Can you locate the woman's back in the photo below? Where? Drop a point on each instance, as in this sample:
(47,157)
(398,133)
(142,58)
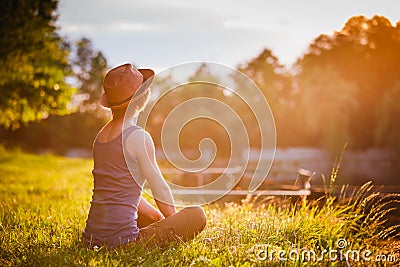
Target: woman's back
(113,213)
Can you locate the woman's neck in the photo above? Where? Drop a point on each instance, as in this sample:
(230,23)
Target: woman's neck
(118,113)
(118,117)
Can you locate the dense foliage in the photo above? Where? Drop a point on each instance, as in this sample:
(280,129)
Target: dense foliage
(343,89)
(364,57)
(34,63)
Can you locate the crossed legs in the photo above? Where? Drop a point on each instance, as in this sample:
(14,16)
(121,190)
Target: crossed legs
(182,226)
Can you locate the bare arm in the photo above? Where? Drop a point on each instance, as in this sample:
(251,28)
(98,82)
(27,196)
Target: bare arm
(147,214)
(141,145)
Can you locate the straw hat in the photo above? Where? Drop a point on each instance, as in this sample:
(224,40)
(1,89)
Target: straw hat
(123,84)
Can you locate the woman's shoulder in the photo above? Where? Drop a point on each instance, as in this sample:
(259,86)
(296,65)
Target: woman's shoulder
(138,141)
(136,134)
(132,128)
(135,130)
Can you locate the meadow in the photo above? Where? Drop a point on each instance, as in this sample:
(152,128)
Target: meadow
(44,202)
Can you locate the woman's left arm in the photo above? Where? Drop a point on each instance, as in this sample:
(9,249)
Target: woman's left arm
(147,214)
(140,144)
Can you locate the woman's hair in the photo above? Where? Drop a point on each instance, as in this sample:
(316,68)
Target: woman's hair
(138,106)
(134,108)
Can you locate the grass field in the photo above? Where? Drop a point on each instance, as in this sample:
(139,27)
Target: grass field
(44,202)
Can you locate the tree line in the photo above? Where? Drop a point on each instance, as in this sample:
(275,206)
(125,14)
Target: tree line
(343,89)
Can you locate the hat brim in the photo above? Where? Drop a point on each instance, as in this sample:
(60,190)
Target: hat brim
(148,76)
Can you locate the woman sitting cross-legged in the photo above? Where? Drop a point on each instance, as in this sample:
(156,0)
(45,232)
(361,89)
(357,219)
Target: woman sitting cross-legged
(124,158)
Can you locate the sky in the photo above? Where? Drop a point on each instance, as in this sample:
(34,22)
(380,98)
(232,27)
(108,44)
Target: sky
(159,34)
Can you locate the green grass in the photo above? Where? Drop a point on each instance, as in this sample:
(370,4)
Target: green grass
(44,202)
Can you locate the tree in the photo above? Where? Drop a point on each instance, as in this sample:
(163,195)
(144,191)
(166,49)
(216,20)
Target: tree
(58,133)
(89,67)
(34,63)
(366,53)
(270,76)
(275,83)
(326,104)
(387,132)
(177,95)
